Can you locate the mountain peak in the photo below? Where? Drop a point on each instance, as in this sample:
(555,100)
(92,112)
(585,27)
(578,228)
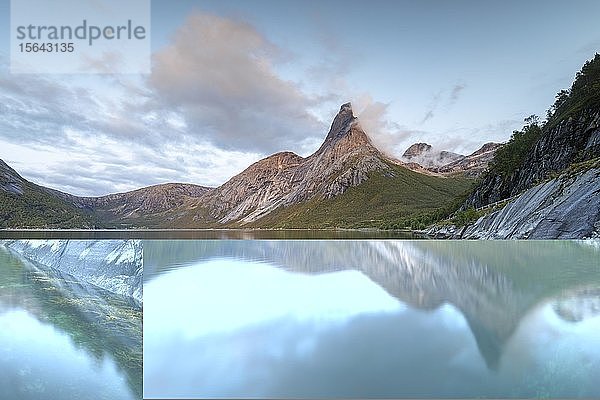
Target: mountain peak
(416,149)
(428,157)
(347,108)
(342,123)
(346,131)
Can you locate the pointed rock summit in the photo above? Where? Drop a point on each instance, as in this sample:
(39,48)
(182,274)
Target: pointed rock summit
(342,123)
(346,131)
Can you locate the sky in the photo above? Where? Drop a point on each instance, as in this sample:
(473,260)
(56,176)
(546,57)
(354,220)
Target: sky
(234,81)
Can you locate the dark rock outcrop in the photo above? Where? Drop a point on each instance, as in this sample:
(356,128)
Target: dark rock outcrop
(10,181)
(570,135)
(567,207)
(552,186)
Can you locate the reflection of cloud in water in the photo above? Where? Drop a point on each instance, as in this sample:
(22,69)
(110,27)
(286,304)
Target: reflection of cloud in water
(553,357)
(492,283)
(270,332)
(464,303)
(233,294)
(37,360)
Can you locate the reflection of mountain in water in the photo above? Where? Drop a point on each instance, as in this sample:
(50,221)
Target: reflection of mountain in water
(494,284)
(96,320)
(113,265)
(578,305)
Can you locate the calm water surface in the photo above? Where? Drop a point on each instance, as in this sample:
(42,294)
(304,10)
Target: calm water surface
(60,339)
(371,319)
(222,234)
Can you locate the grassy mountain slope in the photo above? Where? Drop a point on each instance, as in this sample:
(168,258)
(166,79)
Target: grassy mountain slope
(38,209)
(396,198)
(26,205)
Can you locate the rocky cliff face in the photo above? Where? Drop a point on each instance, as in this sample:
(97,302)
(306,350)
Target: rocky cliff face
(571,135)
(416,150)
(552,185)
(344,160)
(567,207)
(283,182)
(10,181)
(572,140)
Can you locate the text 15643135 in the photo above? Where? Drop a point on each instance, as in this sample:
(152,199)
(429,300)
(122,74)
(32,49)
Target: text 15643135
(46,47)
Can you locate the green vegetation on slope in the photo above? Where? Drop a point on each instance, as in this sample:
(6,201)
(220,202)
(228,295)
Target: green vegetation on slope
(584,93)
(510,156)
(36,208)
(392,199)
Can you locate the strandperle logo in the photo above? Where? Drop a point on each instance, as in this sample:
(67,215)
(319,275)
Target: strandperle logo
(80,36)
(85,31)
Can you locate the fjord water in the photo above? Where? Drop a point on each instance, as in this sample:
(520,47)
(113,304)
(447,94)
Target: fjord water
(371,319)
(61,339)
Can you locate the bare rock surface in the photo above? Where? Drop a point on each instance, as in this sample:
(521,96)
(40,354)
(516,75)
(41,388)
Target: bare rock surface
(567,207)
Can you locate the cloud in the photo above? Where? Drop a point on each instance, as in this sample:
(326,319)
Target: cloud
(336,57)
(433,105)
(221,74)
(428,115)
(205,114)
(103,134)
(102,165)
(388,136)
(106,63)
(455,93)
(213,104)
(443,96)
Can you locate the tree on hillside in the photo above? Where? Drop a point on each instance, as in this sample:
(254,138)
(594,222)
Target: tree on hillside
(508,158)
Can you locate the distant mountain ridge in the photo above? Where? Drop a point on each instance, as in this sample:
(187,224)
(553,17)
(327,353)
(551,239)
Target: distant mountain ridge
(283,189)
(424,155)
(446,162)
(136,203)
(285,181)
(25,204)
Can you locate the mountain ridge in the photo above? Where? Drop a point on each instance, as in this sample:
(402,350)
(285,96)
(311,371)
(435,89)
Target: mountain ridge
(424,156)
(284,182)
(343,160)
